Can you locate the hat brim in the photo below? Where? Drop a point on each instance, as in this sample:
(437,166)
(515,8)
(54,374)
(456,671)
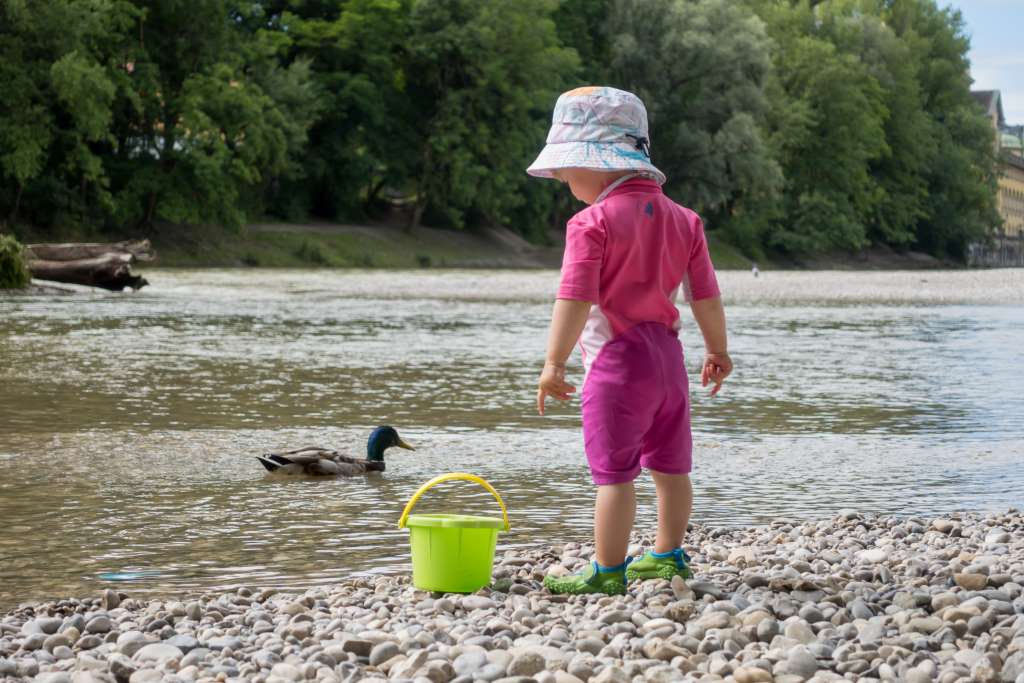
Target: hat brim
(598,156)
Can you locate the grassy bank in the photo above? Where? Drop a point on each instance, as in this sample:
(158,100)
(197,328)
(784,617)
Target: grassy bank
(333,245)
(323,245)
(346,246)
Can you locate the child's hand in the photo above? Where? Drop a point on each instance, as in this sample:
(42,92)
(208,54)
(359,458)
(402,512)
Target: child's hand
(717,367)
(552,383)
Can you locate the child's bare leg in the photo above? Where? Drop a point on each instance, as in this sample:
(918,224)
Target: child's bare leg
(613,521)
(675,501)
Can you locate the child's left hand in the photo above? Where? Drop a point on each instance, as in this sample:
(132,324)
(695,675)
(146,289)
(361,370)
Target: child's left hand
(717,366)
(552,383)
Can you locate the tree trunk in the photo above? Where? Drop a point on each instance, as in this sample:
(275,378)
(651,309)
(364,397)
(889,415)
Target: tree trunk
(109,271)
(97,265)
(17,204)
(139,250)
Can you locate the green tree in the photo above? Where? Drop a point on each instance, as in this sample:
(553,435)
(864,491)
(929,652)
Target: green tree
(701,69)
(827,129)
(57,91)
(483,77)
(961,174)
(365,127)
(197,132)
(13,273)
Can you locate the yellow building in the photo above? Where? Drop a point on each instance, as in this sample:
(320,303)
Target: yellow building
(1009,142)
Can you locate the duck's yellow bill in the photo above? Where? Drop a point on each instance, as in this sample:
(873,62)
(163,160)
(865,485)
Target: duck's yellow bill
(403,444)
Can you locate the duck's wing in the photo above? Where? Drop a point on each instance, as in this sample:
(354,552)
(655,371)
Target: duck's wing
(339,458)
(294,462)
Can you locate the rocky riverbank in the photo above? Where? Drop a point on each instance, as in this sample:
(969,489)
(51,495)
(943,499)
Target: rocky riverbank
(854,598)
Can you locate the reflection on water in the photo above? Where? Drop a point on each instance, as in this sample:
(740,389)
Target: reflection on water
(128,423)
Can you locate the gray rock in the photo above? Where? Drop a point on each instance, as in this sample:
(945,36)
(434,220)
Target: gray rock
(614,616)
(155,652)
(49,625)
(110,599)
(702,588)
(195,656)
(978,625)
(590,645)
(194,611)
(225,642)
(491,672)
(926,625)
(767,629)
(1013,667)
(382,652)
(89,642)
(611,674)
(62,652)
(915,675)
(287,672)
(871,633)
(475,602)
(98,624)
(526,664)
(357,646)
(122,667)
(873,555)
(146,676)
(130,642)
(34,642)
(55,677)
(800,662)
(56,640)
(183,642)
(800,632)
(860,610)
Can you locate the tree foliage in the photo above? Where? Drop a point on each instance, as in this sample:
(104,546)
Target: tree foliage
(13,272)
(791,126)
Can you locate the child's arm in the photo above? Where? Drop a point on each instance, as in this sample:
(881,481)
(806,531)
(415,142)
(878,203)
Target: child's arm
(567,321)
(710,316)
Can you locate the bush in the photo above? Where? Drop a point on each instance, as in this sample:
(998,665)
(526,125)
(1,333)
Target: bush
(13,272)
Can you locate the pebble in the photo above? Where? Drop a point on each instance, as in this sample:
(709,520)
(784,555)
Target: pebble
(971,582)
(155,652)
(100,624)
(382,652)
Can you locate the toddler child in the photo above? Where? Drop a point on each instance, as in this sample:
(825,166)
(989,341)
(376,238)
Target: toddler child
(626,257)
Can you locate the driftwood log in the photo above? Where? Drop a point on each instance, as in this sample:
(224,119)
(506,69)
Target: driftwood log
(97,265)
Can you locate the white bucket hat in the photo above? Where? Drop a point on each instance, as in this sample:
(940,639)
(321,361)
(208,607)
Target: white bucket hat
(600,128)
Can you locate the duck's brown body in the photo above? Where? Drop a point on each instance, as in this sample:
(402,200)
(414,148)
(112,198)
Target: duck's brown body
(318,462)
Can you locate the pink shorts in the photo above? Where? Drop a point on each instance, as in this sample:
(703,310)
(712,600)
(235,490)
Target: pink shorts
(636,406)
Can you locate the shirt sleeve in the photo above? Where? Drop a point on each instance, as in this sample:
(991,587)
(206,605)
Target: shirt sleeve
(700,281)
(581,265)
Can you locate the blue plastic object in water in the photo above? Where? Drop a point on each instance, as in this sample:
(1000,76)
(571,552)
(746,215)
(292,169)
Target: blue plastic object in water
(129,576)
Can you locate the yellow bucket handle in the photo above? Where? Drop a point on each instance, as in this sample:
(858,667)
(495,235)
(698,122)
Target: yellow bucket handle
(451,476)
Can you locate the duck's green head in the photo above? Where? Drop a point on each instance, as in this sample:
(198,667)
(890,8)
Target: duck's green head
(381,439)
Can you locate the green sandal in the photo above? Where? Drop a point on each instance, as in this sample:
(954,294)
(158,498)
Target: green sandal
(660,566)
(591,579)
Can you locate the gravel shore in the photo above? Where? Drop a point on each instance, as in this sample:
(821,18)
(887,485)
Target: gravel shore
(851,598)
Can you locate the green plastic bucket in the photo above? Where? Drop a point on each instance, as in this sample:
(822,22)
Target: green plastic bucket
(452,553)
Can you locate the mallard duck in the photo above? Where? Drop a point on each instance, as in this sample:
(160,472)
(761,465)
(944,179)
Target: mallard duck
(322,462)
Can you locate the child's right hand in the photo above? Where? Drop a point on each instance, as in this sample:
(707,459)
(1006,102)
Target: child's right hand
(717,366)
(552,383)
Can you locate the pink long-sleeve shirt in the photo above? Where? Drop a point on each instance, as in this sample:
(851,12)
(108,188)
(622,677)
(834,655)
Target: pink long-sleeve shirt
(628,254)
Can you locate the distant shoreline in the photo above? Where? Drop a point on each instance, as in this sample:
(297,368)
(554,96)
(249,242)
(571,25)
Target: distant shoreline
(333,245)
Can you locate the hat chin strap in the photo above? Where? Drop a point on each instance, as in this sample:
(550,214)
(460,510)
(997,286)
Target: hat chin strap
(618,181)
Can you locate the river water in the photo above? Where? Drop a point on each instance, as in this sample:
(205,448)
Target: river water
(129,422)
